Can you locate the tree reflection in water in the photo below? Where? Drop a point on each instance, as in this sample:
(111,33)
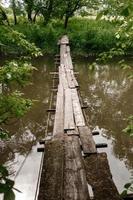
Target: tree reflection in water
(108,93)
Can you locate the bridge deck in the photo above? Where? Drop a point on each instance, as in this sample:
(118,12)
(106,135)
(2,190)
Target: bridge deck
(71,161)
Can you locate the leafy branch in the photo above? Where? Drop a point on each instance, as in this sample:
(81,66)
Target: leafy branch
(16,72)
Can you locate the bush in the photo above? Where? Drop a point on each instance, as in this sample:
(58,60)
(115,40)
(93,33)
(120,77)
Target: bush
(86,35)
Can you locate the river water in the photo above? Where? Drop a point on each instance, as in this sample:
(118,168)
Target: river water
(108,93)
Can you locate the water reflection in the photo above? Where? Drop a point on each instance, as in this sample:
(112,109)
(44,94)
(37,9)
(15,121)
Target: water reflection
(28,130)
(108,93)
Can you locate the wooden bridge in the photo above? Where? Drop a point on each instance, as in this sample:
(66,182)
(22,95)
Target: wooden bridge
(72,167)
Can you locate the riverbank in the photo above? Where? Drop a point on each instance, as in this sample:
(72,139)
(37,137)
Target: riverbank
(87,36)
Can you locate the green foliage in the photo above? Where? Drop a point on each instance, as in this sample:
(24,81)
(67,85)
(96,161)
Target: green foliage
(3,134)
(44,37)
(3,16)
(86,35)
(128,187)
(15,42)
(6,184)
(19,39)
(129,129)
(13,105)
(16,71)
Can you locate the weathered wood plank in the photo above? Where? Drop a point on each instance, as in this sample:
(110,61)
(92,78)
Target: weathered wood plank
(69,58)
(73,132)
(75,184)
(54,73)
(74,79)
(62,77)
(78,115)
(100,177)
(51,184)
(59,115)
(87,141)
(68,115)
(62,54)
(64,40)
(71,83)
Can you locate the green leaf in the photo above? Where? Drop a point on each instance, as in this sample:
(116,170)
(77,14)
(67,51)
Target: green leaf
(4,188)
(127,185)
(3,134)
(9,195)
(99,16)
(10,183)
(124,194)
(125,12)
(3,171)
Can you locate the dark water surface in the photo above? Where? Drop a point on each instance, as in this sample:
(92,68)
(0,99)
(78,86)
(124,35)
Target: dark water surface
(109,95)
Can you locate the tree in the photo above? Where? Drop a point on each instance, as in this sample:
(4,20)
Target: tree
(47,9)
(29,8)
(3,16)
(13,6)
(69,7)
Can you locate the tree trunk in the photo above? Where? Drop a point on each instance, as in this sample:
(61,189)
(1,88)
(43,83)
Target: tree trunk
(29,15)
(15,17)
(66,21)
(34,18)
(4,15)
(14,11)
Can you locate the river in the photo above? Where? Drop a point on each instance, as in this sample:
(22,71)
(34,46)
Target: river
(106,91)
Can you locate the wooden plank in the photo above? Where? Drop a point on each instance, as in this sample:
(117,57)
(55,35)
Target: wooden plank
(66,64)
(74,79)
(71,66)
(62,77)
(87,141)
(59,115)
(62,53)
(75,184)
(64,40)
(69,58)
(51,184)
(69,76)
(54,73)
(100,177)
(71,83)
(68,49)
(72,132)
(78,115)
(68,115)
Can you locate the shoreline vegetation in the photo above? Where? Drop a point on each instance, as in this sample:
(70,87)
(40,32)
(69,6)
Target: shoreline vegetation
(88,37)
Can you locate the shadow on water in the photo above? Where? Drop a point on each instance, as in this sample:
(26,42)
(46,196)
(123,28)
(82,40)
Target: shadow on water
(108,93)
